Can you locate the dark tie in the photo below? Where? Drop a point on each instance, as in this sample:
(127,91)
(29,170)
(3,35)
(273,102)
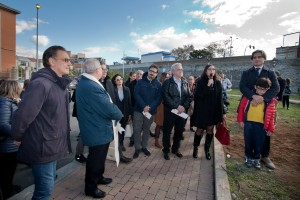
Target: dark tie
(257,71)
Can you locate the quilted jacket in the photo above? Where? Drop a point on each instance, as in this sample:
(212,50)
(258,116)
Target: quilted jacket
(269,115)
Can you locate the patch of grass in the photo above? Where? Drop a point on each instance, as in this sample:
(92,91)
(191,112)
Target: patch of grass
(249,183)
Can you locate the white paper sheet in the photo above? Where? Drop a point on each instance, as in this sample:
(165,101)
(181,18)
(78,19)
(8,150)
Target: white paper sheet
(183,115)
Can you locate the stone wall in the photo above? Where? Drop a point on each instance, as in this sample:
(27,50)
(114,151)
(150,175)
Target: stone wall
(231,66)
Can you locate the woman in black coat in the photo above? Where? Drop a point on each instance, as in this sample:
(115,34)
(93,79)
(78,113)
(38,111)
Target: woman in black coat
(123,101)
(209,108)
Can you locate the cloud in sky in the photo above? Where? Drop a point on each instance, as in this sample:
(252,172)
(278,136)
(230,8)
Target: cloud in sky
(27,52)
(130,19)
(186,21)
(168,39)
(196,1)
(95,51)
(291,24)
(23,25)
(164,6)
(288,15)
(133,34)
(43,40)
(233,12)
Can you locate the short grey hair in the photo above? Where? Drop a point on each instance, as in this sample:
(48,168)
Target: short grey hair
(140,71)
(91,65)
(174,67)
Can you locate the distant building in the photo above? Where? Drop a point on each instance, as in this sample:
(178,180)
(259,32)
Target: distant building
(131,60)
(290,52)
(8,42)
(158,56)
(26,66)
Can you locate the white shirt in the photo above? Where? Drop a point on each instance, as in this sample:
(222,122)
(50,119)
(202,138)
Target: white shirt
(178,82)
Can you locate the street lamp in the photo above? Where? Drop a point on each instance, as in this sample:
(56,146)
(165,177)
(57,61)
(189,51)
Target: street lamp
(250,46)
(274,61)
(208,59)
(231,45)
(37,36)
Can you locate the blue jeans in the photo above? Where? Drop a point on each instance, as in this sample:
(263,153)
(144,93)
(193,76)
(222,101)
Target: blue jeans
(254,135)
(44,176)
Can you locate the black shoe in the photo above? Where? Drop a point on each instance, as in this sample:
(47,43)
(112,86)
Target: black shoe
(192,129)
(124,159)
(195,152)
(151,134)
(207,155)
(131,143)
(182,138)
(136,154)
(104,181)
(178,154)
(96,194)
(146,152)
(80,158)
(166,156)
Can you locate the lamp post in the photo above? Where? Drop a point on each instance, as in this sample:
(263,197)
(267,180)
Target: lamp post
(208,59)
(37,36)
(274,62)
(231,45)
(250,46)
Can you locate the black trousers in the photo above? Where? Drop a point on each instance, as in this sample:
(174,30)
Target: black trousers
(95,166)
(266,148)
(171,120)
(7,171)
(286,100)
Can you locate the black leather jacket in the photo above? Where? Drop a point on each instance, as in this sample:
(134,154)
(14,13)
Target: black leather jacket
(171,96)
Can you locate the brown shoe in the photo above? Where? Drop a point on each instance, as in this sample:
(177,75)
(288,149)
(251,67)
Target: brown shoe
(157,144)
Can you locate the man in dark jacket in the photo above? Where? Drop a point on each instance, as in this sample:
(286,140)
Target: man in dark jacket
(96,113)
(109,87)
(176,95)
(282,83)
(42,121)
(247,84)
(147,95)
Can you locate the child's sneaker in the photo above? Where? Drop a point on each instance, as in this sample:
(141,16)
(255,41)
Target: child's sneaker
(249,162)
(256,163)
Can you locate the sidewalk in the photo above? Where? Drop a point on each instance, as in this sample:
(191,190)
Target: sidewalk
(146,177)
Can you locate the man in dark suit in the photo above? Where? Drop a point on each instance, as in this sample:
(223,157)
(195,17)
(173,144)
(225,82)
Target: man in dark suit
(247,83)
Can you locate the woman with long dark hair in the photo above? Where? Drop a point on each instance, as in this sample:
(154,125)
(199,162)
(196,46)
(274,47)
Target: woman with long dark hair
(209,109)
(9,98)
(123,101)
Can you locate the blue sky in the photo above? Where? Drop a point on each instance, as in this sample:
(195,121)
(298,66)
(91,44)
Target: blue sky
(110,28)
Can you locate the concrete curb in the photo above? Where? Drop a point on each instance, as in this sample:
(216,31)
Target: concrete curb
(222,188)
(62,173)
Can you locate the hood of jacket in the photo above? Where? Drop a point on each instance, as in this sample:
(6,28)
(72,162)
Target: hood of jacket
(48,73)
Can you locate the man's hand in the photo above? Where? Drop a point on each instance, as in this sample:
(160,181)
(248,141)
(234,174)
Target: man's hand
(241,124)
(180,109)
(147,109)
(257,99)
(17,143)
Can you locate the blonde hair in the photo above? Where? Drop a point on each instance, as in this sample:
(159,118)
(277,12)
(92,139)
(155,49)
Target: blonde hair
(10,89)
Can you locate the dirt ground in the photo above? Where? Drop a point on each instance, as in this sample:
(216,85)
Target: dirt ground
(285,153)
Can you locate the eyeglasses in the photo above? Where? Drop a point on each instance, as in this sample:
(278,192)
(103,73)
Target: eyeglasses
(66,60)
(152,71)
(119,79)
(211,69)
(104,69)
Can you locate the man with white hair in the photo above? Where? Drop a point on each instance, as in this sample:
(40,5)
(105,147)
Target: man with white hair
(95,111)
(176,95)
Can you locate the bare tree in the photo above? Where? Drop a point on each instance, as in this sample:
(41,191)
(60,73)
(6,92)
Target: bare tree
(183,53)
